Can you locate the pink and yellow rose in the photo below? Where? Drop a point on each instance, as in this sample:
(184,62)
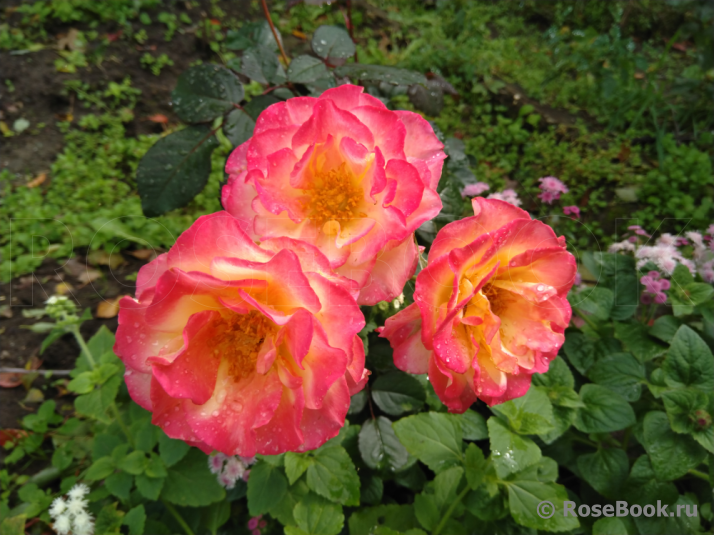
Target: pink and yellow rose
(345,174)
(490,307)
(242,348)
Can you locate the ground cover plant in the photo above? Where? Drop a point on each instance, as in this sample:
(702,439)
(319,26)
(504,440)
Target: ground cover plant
(518,325)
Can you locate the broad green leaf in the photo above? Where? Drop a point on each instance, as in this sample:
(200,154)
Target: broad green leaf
(371,489)
(135,519)
(82,384)
(145,435)
(216,514)
(259,63)
(379,446)
(120,484)
(204,92)
(446,484)
(135,463)
(101,343)
(580,351)
(175,169)
(690,411)
(434,438)
(429,99)
(427,510)
(486,506)
(62,457)
(104,444)
(380,73)
(604,410)
(665,327)
(616,272)
(605,470)
(526,494)
(190,483)
(333,476)
(295,465)
(155,467)
(596,301)
(357,402)
(266,487)
(14,525)
(475,465)
(332,42)
(317,516)
(565,403)
(100,469)
(546,469)
(397,517)
(510,452)
(672,455)
(238,127)
(669,522)
(643,487)
(109,520)
(171,450)
(258,104)
(609,526)
(283,509)
(689,362)
(558,374)
(531,414)
(452,204)
(251,33)
(398,392)
(149,487)
(306,69)
(621,373)
(473,426)
(636,339)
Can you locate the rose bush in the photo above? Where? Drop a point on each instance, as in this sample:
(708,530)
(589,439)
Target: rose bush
(242,348)
(343,173)
(490,307)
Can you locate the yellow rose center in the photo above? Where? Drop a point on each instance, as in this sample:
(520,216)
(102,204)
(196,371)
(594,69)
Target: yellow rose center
(333,197)
(239,339)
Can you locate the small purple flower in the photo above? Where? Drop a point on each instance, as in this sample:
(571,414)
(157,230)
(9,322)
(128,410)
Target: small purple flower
(473,190)
(574,210)
(253,522)
(655,286)
(551,188)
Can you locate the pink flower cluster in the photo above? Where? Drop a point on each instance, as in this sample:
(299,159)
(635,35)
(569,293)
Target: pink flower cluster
(255,524)
(572,210)
(551,188)
(230,469)
(474,190)
(655,286)
(507,195)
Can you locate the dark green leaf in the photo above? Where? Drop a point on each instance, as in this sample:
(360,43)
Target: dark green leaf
(580,351)
(109,520)
(398,392)
(135,463)
(317,516)
(452,204)
(155,466)
(605,470)
(100,469)
(283,510)
(306,69)
(149,487)
(380,73)
(621,373)
(531,414)
(204,92)
(357,402)
(175,169)
(216,514)
(510,452)
(558,373)
(190,483)
(257,104)
(688,411)
(637,341)
(371,489)
(596,301)
(434,438)
(643,487)
(266,487)
(609,526)
(604,410)
(62,457)
(332,42)
(689,362)
(379,446)
(120,484)
(473,426)
(295,465)
(429,98)
(259,63)
(251,33)
(427,510)
(616,272)
(672,455)
(475,465)
(238,127)
(665,327)
(135,520)
(333,476)
(171,450)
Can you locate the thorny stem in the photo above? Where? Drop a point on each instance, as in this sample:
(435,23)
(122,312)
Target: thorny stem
(275,32)
(178,517)
(450,510)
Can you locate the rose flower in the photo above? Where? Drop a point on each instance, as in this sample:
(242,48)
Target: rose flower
(343,173)
(490,307)
(242,348)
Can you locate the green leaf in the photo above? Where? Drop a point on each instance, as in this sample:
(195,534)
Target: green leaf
(305,69)
(259,63)
(317,516)
(621,373)
(135,520)
(665,327)
(120,484)
(473,426)
(82,384)
(475,465)
(283,510)
(636,339)
(216,514)
(685,408)
(580,351)
(109,520)
(616,272)
(397,392)
(609,526)
(510,452)
(672,455)
(357,402)
(526,494)
(149,487)
(682,276)
(371,489)
(332,42)
(452,204)
(102,342)
(135,463)
(427,510)
(258,104)
(379,446)
(191,483)
(558,374)
(604,410)
(171,450)
(14,525)
(531,414)
(596,301)
(238,127)
(100,469)
(333,476)
(434,438)
(266,487)
(62,457)
(643,487)
(680,524)
(605,470)
(380,73)
(175,169)
(446,484)
(689,362)
(258,32)
(155,467)
(295,465)
(429,99)
(204,92)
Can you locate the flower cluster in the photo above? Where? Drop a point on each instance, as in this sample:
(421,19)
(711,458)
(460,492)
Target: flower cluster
(473,190)
(572,210)
(551,188)
(507,195)
(255,524)
(230,469)
(71,516)
(654,288)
